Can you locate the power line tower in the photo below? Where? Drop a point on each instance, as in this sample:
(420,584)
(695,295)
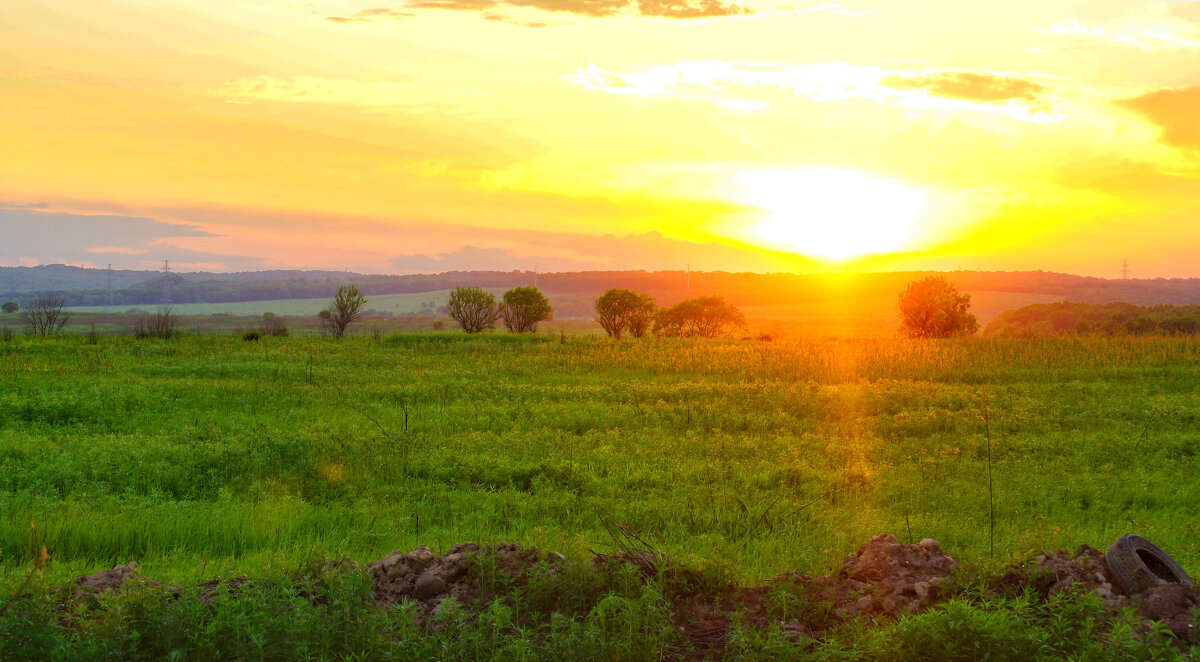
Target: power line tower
(1125,269)
(108,288)
(535,270)
(165,302)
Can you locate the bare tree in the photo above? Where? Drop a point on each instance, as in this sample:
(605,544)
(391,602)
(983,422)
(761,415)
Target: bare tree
(45,314)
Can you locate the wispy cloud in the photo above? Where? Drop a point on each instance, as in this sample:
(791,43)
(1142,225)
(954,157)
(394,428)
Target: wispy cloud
(1149,27)
(373,14)
(314,89)
(1012,94)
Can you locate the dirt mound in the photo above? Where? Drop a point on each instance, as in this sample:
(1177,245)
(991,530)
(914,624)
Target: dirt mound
(428,579)
(883,578)
(1175,605)
(895,577)
(109,580)
(1048,574)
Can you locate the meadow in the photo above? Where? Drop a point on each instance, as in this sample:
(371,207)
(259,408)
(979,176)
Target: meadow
(208,456)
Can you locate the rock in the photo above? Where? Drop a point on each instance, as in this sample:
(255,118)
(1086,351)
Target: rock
(428,585)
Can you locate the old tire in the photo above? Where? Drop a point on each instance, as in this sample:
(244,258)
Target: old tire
(1136,564)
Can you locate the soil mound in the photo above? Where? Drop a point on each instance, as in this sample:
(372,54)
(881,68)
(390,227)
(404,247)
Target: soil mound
(1175,605)
(895,577)
(1048,574)
(428,579)
(109,580)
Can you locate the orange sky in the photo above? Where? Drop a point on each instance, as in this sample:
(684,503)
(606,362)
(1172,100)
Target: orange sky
(602,134)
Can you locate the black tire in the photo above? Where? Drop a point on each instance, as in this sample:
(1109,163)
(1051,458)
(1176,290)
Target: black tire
(1136,564)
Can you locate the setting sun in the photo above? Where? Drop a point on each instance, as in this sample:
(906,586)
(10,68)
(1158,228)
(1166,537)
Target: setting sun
(833,213)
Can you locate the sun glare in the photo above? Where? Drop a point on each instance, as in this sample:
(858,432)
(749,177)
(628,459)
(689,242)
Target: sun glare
(833,213)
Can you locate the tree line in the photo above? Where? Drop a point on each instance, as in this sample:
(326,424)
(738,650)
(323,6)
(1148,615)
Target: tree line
(1112,319)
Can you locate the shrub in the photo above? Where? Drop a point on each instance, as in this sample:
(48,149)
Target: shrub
(703,317)
(618,310)
(523,307)
(271,325)
(344,310)
(10,307)
(160,324)
(251,336)
(473,308)
(933,308)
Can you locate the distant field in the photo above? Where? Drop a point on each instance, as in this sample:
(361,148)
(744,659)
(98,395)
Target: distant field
(397,304)
(851,316)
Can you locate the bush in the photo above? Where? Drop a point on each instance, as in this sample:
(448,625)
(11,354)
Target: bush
(933,308)
(703,317)
(473,308)
(251,336)
(10,307)
(271,325)
(619,310)
(344,310)
(159,324)
(523,307)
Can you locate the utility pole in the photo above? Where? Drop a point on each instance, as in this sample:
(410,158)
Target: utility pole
(165,302)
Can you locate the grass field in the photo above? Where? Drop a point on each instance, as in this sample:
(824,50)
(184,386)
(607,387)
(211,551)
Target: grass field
(210,456)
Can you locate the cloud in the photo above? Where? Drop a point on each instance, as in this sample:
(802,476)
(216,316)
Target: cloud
(1015,95)
(23,205)
(368,15)
(971,86)
(467,258)
(576,252)
(493,9)
(1176,111)
(1151,27)
(33,236)
(315,89)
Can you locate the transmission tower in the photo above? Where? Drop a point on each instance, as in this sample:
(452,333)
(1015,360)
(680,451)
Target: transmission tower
(166,284)
(108,289)
(1125,269)
(535,270)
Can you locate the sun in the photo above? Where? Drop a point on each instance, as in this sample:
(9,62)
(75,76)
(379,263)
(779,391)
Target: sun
(832,213)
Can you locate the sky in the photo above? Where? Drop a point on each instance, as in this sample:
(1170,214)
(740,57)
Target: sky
(755,135)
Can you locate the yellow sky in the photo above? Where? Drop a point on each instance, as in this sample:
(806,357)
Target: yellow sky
(591,134)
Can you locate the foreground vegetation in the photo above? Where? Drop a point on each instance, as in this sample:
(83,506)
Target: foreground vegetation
(204,457)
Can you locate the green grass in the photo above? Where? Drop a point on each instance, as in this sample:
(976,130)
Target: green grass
(208,456)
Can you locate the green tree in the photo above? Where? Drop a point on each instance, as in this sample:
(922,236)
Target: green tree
(344,310)
(10,307)
(703,317)
(620,310)
(473,308)
(933,308)
(523,307)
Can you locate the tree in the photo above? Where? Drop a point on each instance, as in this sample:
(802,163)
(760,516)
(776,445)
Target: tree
(45,314)
(344,310)
(619,310)
(523,307)
(10,307)
(703,317)
(933,308)
(473,308)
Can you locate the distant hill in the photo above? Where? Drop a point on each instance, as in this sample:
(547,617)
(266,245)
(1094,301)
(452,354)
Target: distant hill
(871,294)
